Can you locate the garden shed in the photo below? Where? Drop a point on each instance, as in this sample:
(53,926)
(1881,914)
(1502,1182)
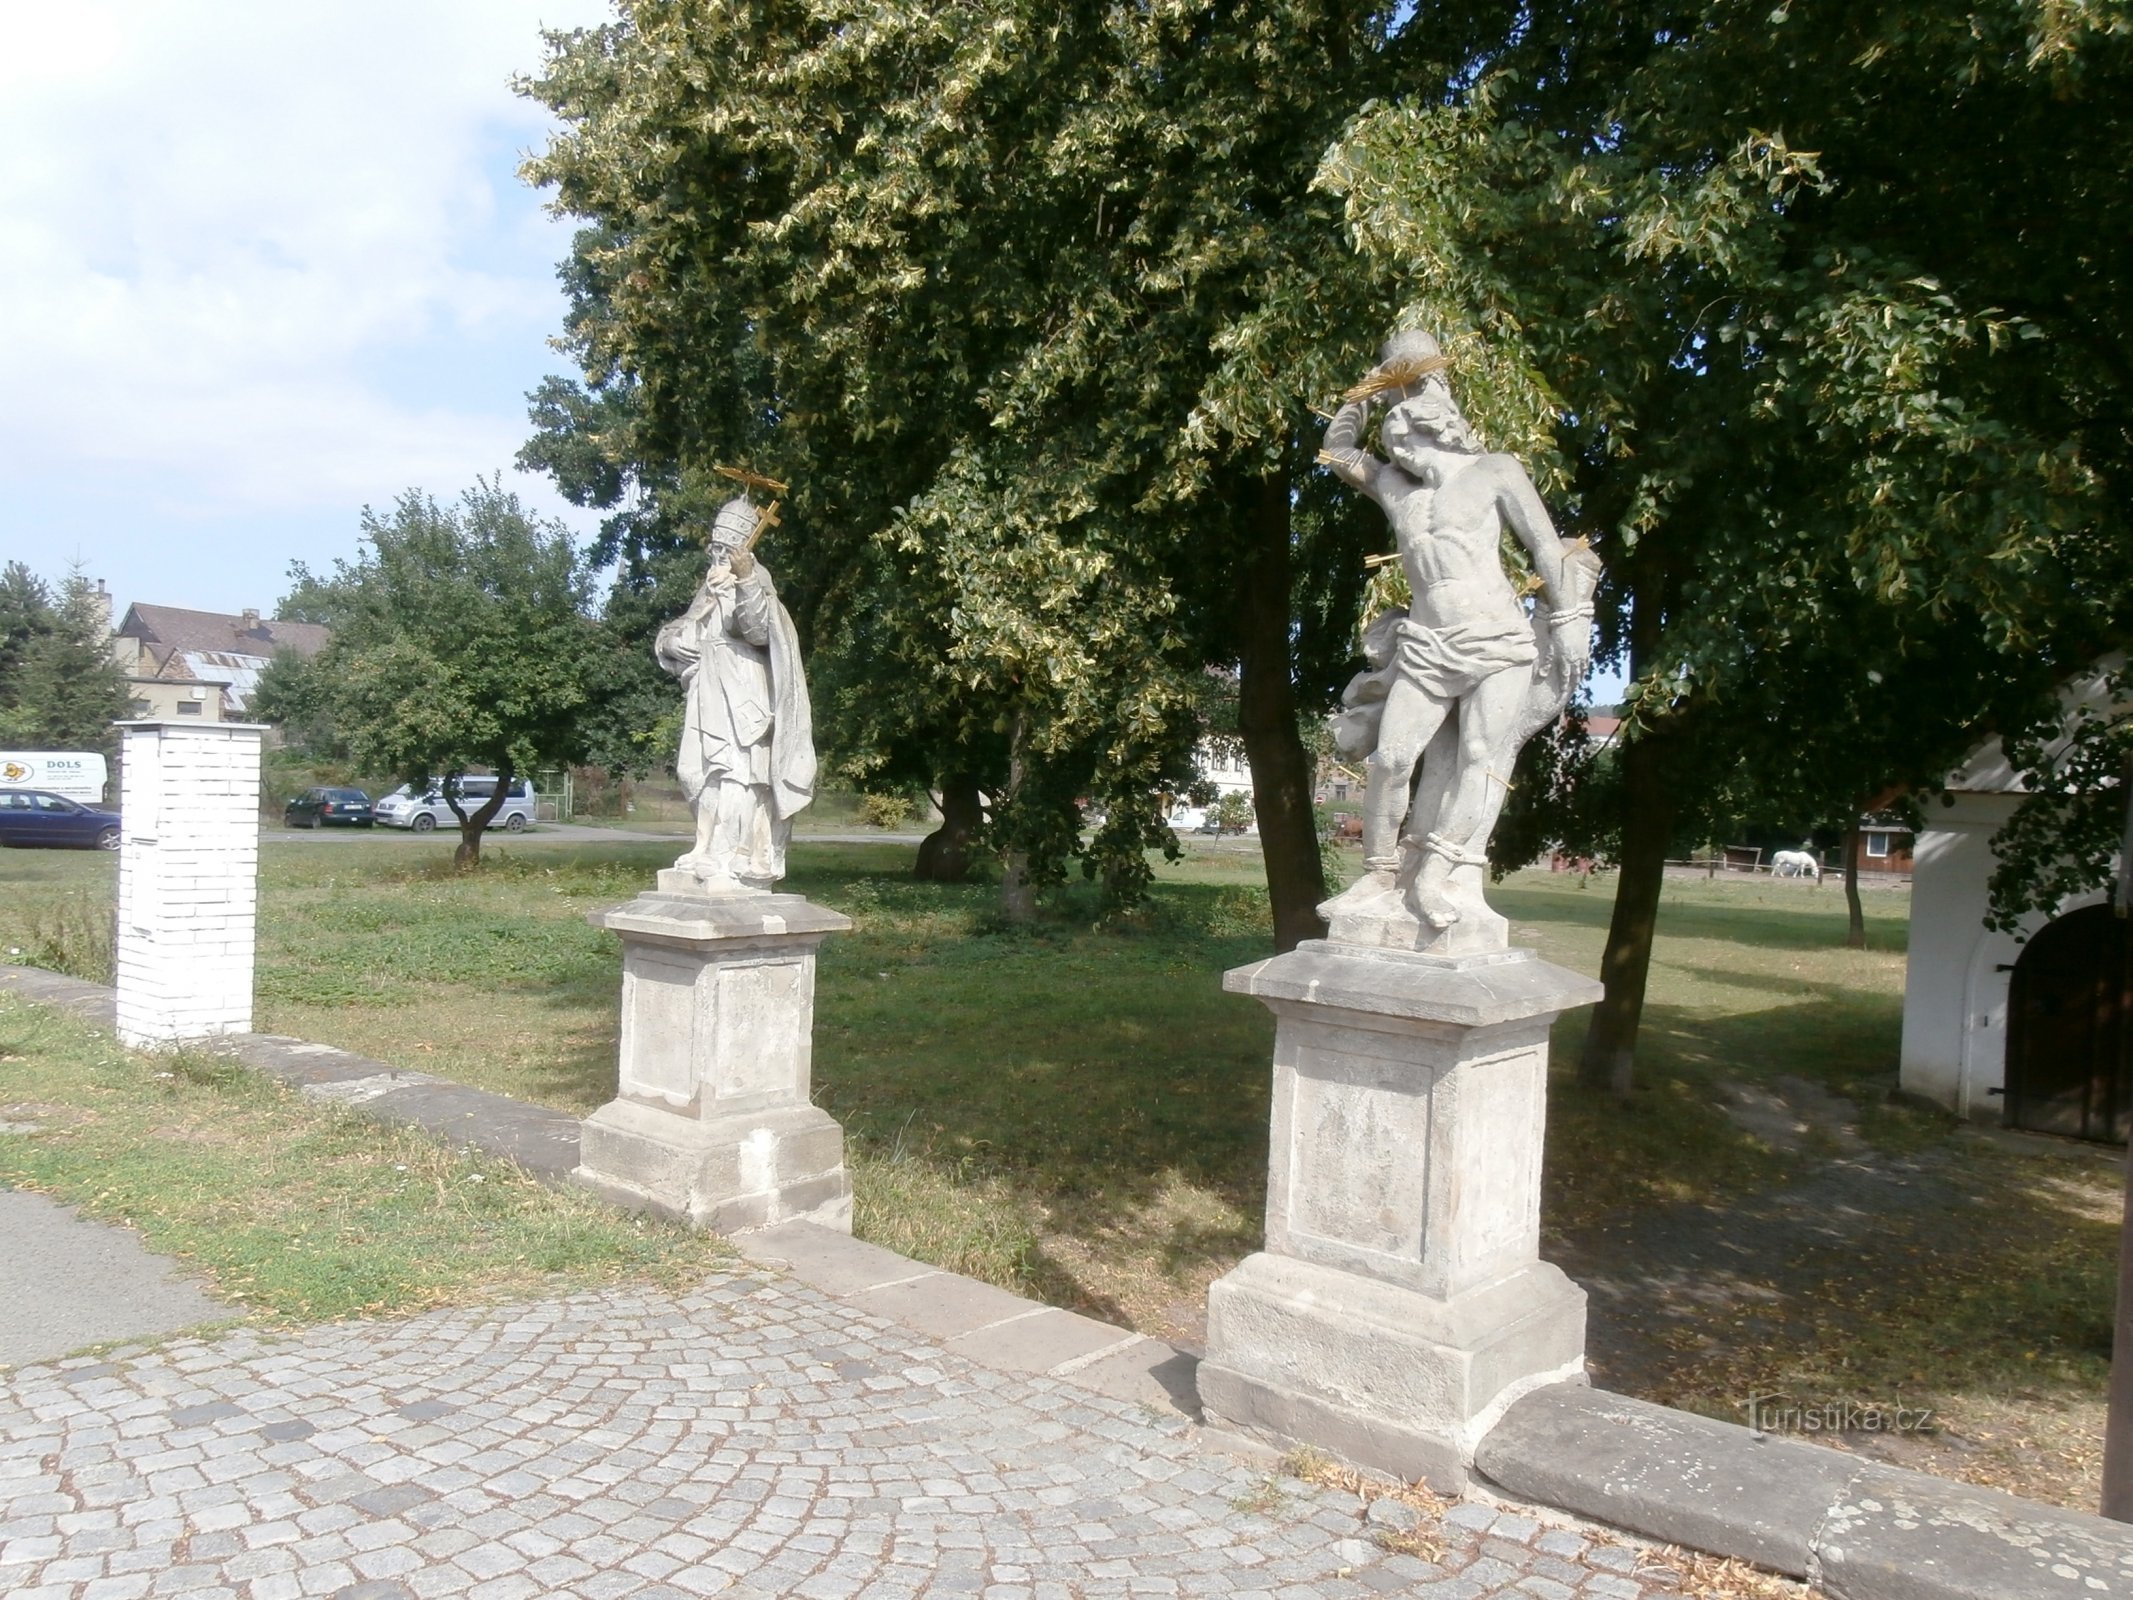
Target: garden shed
(2034,1028)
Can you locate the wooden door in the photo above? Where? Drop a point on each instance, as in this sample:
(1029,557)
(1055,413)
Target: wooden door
(2070,1029)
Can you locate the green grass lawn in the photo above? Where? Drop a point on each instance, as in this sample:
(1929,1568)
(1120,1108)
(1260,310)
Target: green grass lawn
(296,1211)
(1075,1112)
(1079,1113)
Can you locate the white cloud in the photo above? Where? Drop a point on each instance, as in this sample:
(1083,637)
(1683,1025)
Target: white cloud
(261,253)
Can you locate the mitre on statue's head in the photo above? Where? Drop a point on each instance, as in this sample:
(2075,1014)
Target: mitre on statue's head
(735,524)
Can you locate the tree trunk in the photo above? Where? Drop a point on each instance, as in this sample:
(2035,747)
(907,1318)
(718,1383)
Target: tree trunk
(1647,830)
(1266,720)
(944,854)
(1855,929)
(1018,896)
(472,824)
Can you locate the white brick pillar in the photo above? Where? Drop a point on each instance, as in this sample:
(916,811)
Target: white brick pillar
(188,880)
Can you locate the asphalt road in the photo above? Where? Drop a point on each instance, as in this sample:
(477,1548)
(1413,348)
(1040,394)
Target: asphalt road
(66,1282)
(558,832)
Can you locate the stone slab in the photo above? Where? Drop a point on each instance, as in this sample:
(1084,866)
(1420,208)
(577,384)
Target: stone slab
(539,1138)
(674,915)
(1046,1340)
(943,1304)
(1897,1535)
(835,1263)
(67,1282)
(1860,1530)
(1667,1474)
(93,1002)
(1464,992)
(1146,1372)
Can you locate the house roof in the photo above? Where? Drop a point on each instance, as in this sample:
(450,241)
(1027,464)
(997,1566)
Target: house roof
(238,674)
(214,631)
(1987,770)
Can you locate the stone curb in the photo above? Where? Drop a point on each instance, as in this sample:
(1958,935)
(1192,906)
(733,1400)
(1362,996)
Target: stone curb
(1856,1529)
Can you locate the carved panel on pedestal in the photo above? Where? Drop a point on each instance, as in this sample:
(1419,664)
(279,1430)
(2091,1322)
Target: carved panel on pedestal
(659,1026)
(1357,1176)
(765,1017)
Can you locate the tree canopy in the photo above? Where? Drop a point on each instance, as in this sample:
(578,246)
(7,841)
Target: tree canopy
(1822,311)
(1030,306)
(1033,305)
(461,638)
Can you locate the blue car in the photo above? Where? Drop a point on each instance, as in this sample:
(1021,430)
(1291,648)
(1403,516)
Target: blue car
(33,817)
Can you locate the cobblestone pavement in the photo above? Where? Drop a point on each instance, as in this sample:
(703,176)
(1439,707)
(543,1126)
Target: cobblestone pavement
(750,1438)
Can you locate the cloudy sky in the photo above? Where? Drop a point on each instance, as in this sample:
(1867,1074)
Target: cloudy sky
(263,263)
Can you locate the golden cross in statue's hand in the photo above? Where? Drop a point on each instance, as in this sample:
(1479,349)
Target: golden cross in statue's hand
(754,480)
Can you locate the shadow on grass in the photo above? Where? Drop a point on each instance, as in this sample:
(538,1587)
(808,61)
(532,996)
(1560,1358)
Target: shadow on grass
(1961,1278)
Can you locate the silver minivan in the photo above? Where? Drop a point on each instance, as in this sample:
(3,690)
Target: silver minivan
(403,808)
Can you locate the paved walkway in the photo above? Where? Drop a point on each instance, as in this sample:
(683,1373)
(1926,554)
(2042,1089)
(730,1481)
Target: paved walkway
(66,1281)
(755,1437)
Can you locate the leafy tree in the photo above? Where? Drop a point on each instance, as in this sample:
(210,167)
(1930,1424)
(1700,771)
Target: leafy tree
(60,689)
(1030,305)
(460,638)
(1845,415)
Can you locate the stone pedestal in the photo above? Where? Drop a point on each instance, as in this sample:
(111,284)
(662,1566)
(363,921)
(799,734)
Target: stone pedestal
(712,1120)
(1401,1303)
(188,881)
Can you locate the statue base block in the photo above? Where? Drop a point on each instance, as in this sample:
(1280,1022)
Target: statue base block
(1372,913)
(1386,1378)
(1401,1303)
(730,1175)
(712,1120)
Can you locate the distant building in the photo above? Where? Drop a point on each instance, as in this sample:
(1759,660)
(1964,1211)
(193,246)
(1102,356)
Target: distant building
(202,664)
(2032,1029)
(1221,762)
(1884,847)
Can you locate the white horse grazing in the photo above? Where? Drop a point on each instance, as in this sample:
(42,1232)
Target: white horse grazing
(1800,863)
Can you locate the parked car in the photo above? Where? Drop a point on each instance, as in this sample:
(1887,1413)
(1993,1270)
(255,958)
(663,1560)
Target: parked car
(38,817)
(403,808)
(318,808)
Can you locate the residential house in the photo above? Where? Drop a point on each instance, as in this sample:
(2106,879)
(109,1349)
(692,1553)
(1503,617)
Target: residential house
(202,664)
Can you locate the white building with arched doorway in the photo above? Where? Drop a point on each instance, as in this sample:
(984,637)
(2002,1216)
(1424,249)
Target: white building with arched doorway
(2033,1029)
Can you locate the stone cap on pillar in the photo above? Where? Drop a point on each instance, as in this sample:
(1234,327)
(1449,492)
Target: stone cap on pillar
(1458,991)
(681,918)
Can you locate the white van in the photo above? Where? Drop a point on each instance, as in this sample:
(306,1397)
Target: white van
(77,774)
(403,808)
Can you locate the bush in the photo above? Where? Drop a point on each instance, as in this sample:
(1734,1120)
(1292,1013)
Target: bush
(884,810)
(1232,813)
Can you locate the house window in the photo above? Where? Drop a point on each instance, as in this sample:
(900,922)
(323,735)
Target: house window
(188,708)
(1877,846)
